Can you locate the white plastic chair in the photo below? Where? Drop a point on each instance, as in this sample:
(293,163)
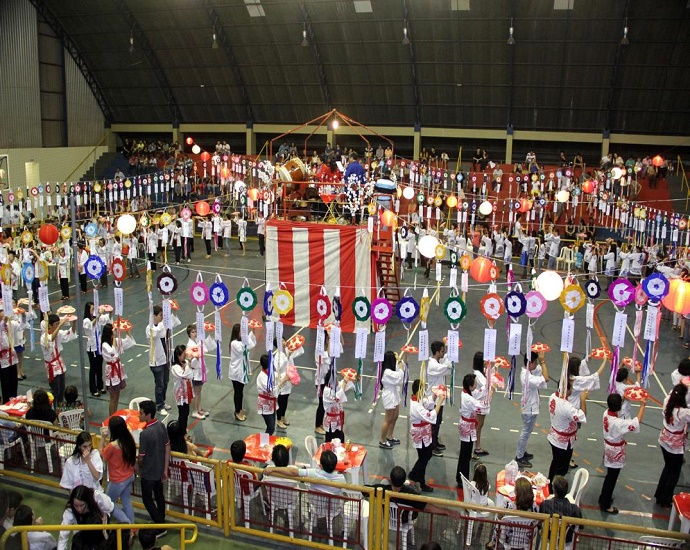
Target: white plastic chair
(5,444)
(324,505)
(396,523)
(72,420)
(246,489)
(134,403)
(38,440)
(566,257)
(517,532)
(282,494)
(312,448)
(659,542)
(202,483)
(356,509)
(471,495)
(178,478)
(580,480)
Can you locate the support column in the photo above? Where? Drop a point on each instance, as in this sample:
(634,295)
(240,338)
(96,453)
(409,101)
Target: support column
(250,141)
(417,144)
(509,145)
(605,143)
(330,137)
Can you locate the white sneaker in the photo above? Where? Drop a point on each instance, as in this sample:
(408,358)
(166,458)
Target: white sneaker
(198,415)
(163,412)
(167,407)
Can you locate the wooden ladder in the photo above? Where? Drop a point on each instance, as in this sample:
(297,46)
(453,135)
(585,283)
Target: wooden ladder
(387,273)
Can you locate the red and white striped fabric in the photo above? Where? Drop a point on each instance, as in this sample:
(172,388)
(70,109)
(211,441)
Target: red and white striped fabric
(313,255)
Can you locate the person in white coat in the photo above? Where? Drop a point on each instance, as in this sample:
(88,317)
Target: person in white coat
(391,395)
(470,406)
(52,340)
(436,371)
(239,367)
(115,375)
(482,393)
(423,414)
(199,374)
(182,374)
(284,361)
(226,226)
(92,324)
(565,418)
(206,227)
(267,397)
(333,400)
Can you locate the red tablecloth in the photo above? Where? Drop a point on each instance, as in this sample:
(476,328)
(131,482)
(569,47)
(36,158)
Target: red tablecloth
(328,197)
(540,495)
(352,459)
(131,418)
(17,406)
(257,453)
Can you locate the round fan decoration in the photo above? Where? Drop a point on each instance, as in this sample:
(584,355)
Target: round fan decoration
(491,306)
(42,270)
(536,304)
(628,362)
(407,309)
(453,258)
(219,294)
(254,323)
(381,311)
(283,302)
(198,293)
(28,273)
(91,229)
(465,262)
(635,393)
(295,342)
(123,325)
(27,237)
(409,348)
(118,269)
(515,303)
(572,298)
(539,347)
(174,305)
(501,362)
(403,232)
(94,267)
(166,283)
(6,274)
(440,252)
(601,353)
(186,213)
(621,292)
(246,298)
(66,232)
(454,309)
(641,297)
(268,303)
(656,286)
(361,308)
(349,374)
(493,272)
(323,307)
(592,289)
(445,342)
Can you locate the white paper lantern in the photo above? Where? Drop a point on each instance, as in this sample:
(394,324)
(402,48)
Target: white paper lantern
(408,193)
(485,208)
(427,246)
(126,224)
(550,285)
(617,173)
(562,196)
(196,149)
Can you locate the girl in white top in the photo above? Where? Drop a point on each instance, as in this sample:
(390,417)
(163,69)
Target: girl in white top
(480,480)
(333,400)
(63,273)
(622,384)
(19,325)
(152,248)
(236,372)
(636,262)
(115,376)
(177,241)
(226,226)
(673,441)
(610,259)
(469,407)
(284,360)
(322,364)
(593,263)
(541,255)
(581,379)
(391,395)
(624,257)
(91,324)
(481,393)
(206,227)
(182,375)
(242,232)
(84,466)
(195,363)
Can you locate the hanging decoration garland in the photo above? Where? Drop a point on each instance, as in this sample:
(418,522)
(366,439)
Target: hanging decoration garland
(455,311)
(592,290)
(270,331)
(515,305)
(641,299)
(361,309)
(219,296)
(423,341)
(283,303)
(246,300)
(407,310)
(381,312)
(335,347)
(95,269)
(621,292)
(28,274)
(657,287)
(199,295)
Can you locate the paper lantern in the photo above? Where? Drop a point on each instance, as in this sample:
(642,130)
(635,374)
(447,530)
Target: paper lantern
(525,205)
(196,149)
(550,285)
(202,208)
(587,186)
(409,193)
(427,246)
(452,201)
(480,270)
(253,193)
(617,173)
(562,196)
(206,156)
(48,234)
(678,297)
(485,208)
(189,141)
(658,160)
(225,172)
(126,224)
(388,218)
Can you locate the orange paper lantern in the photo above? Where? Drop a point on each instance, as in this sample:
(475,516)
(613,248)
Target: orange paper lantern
(48,234)
(678,297)
(202,208)
(658,161)
(452,201)
(206,156)
(253,193)
(525,205)
(388,218)
(480,270)
(225,172)
(189,141)
(587,186)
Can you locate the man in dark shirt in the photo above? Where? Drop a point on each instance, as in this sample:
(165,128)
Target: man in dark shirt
(561,505)
(152,462)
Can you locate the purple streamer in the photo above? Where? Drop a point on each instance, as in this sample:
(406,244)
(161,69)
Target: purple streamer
(511,376)
(219,372)
(646,364)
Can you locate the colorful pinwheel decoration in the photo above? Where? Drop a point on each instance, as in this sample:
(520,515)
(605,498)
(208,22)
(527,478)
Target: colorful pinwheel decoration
(246,299)
(621,292)
(381,312)
(455,311)
(219,296)
(407,310)
(592,290)
(656,287)
(515,305)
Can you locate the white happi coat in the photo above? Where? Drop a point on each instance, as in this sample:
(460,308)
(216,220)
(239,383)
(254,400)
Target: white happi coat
(615,429)
(421,420)
(564,419)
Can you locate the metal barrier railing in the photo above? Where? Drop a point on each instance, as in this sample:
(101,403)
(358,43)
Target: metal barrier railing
(116,529)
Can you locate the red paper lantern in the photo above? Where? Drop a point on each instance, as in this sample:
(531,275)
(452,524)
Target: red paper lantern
(225,172)
(189,141)
(202,208)
(480,270)
(48,234)
(206,156)
(658,161)
(678,297)
(525,205)
(587,186)
(388,218)
(253,193)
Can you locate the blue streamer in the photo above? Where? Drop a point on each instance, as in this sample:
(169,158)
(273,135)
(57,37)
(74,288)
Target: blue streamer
(271,371)
(511,376)
(646,364)
(219,372)
(245,365)
(406,381)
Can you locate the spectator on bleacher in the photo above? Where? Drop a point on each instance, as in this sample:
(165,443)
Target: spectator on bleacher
(560,505)
(38,540)
(570,229)
(562,159)
(119,174)
(84,466)
(85,507)
(496,178)
(326,471)
(180,442)
(477,159)
(120,455)
(41,409)
(71,402)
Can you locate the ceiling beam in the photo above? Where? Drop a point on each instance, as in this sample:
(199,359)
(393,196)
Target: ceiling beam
(316,58)
(142,44)
(72,49)
(224,43)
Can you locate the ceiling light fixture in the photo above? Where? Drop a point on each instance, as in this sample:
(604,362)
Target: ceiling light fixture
(406,38)
(305,42)
(624,40)
(335,124)
(511,38)
(131,41)
(214,44)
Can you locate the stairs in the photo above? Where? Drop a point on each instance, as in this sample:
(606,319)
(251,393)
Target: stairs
(383,258)
(105,167)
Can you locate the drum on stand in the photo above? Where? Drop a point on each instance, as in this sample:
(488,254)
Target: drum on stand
(296,169)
